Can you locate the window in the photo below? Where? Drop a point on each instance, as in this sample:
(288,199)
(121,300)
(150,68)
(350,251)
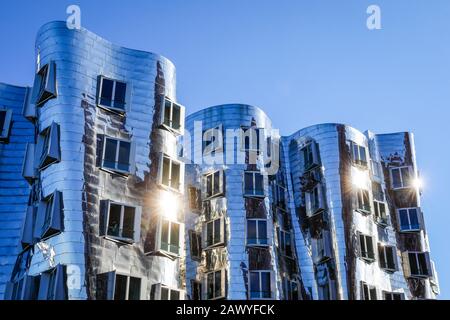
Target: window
(260,287)
(387,257)
(215,285)
(53,284)
(120,222)
(376,169)
(401,177)
(195,243)
(310,156)
(285,243)
(27,231)
(291,289)
(112,94)
(280,196)
(171,173)
(29,171)
(45,84)
(162,292)
(25,288)
(368,292)
(321,247)
(169,236)
(257,232)
(48,145)
(213,140)
(50,218)
(410,219)
(250,139)
(214,184)
(5,124)
(393,295)
(417,264)
(366,247)
(114,286)
(172,116)
(380,212)
(196,290)
(253,184)
(359,155)
(314,200)
(363,200)
(116,155)
(214,232)
(195,199)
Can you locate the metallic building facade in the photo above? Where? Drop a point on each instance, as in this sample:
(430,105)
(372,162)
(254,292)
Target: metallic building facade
(108,194)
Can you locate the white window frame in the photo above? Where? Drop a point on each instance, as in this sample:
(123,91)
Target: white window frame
(136,224)
(158,291)
(169,127)
(205,233)
(383,257)
(391,294)
(159,235)
(223,282)
(113,95)
(221,190)
(357,159)
(403,186)
(253,186)
(380,218)
(258,239)
(370,289)
(360,192)
(419,219)
(366,258)
(260,284)
(4,133)
(116,162)
(161,173)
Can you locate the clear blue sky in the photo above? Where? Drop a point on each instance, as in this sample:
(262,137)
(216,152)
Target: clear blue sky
(302,61)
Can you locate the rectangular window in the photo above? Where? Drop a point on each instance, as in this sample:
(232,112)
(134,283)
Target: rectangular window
(195,244)
(291,289)
(127,288)
(257,232)
(116,155)
(401,177)
(214,184)
(310,156)
(5,124)
(50,218)
(250,139)
(260,286)
(112,94)
(215,283)
(314,200)
(417,264)
(359,155)
(214,232)
(195,199)
(121,222)
(253,184)
(285,243)
(171,173)
(169,237)
(410,219)
(162,292)
(172,116)
(196,290)
(387,257)
(48,145)
(380,212)
(45,84)
(321,247)
(363,200)
(393,296)
(280,196)
(53,284)
(366,247)
(368,292)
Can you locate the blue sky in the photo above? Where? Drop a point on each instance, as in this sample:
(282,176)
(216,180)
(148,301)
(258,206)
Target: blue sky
(303,62)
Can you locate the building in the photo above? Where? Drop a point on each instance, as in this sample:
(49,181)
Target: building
(97,203)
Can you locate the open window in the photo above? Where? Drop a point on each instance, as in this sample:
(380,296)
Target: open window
(310,156)
(214,233)
(195,199)
(45,87)
(215,184)
(172,116)
(50,216)
(112,95)
(169,235)
(416,264)
(53,284)
(285,242)
(260,284)
(380,214)
(321,247)
(214,285)
(116,155)
(162,292)
(291,289)
(28,226)
(251,139)
(411,219)
(29,171)
(366,248)
(195,244)
(253,184)
(120,222)
(363,201)
(393,295)
(171,173)
(314,200)
(359,155)
(257,232)
(213,140)
(368,292)
(5,124)
(401,177)
(387,257)
(115,286)
(48,146)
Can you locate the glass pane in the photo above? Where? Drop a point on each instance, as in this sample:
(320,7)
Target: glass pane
(216,189)
(251,232)
(106,94)
(262,232)
(119,95)
(167,108)
(422,264)
(2,120)
(413,264)
(174,295)
(390,254)
(404,222)
(209,185)
(209,233)
(406,177)
(248,183)
(355,152)
(255,289)
(362,244)
(176,114)
(217,231)
(51,286)
(134,292)
(114,220)
(217,284)
(175,176)
(362,154)
(259,190)
(210,285)
(120,292)
(369,243)
(265,284)
(396,181)
(109,160)
(164,293)
(174,238)
(166,172)
(128,222)
(414,219)
(124,156)
(48,214)
(165,235)
(288,244)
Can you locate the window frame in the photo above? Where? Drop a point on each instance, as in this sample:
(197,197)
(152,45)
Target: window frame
(136,223)
(362,207)
(6,125)
(222,237)
(288,291)
(254,189)
(159,233)
(380,218)
(221,191)
(243,135)
(282,243)
(392,294)
(158,292)
(112,108)
(116,170)
(362,255)
(310,196)
(45,84)
(280,202)
(53,284)
(192,235)
(383,260)
(169,127)
(259,241)
(261,297)
(356,158)
(370,290)
(50,215)
(403,186)
(313,152)
(322,248)
(49,146)
(407,270)
(180,188)
(223,285)
(419,220)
